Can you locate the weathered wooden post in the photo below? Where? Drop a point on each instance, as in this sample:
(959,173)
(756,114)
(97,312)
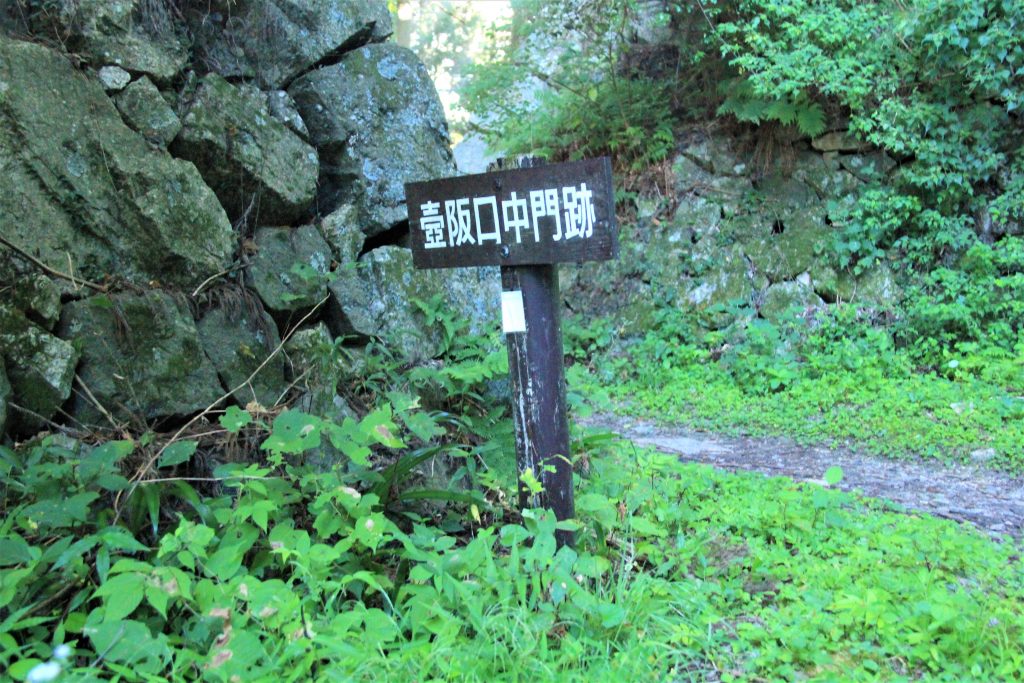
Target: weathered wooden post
(527,220)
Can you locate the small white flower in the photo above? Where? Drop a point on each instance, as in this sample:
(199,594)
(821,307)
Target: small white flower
(62,652)
(369,525)
(42,673)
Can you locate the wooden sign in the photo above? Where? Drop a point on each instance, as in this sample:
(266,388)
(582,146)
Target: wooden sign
(562,213)
(527,220)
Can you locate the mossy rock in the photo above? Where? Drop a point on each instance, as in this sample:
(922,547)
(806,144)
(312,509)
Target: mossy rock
(377,297)
(141,357)
(789,299)
(39,366)
(23,287)
(255,164)
(792,247)
(688,176)
(282,107)
(718,155)
(81,186)
(290,270)
(728,285)
(343,232)
(872,166)
(137,35)
(146,111)
(734,195)
(274,41)
(377,121)
(698,216)
(239,342)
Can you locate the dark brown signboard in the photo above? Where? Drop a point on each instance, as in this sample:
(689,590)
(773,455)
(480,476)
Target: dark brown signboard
(561,213)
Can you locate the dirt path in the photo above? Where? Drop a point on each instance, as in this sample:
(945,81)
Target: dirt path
(992,501)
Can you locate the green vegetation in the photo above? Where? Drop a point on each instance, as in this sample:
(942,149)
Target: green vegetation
(842,380)
(272,544)
(285,570)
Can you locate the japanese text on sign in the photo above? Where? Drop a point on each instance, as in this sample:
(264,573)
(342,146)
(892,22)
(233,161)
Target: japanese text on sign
(556,213)
(550,214)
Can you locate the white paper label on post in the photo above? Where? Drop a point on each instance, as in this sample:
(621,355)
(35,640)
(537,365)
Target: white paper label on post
(513,317)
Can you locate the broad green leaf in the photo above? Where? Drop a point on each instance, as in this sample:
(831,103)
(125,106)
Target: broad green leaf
(177,453)
(833,475)
(122,594)
(234,418)
(293,432)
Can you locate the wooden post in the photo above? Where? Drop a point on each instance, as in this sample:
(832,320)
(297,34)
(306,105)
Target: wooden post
(525,217)
(537,376)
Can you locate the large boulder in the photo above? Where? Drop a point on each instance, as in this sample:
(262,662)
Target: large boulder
(274,41)
(40,367)
(795,298)
(793,245)
(141,357)
(378,124)
(28,290)
(87,194)
(382,295)
(727,286)
(146,111)
(255,164)
(239,341)
(290,269)
(140,36)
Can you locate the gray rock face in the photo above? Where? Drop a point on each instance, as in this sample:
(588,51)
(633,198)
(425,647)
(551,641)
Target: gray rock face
(789,298)
(79,183)
(282,107)
(378,123)
(252,161)
(146,111)
(40,366)
(28,290)
(274,41)
(137,35)
(114,78)
(290,269)
(141,357)
(238,342)
(376,299)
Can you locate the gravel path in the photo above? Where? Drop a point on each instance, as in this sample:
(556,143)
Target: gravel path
(992,501)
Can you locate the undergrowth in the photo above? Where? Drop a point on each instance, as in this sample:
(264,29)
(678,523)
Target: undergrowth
(840,380)
(289,572)
(303,548)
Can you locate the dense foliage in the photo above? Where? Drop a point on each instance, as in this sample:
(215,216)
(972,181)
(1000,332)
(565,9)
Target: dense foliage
(937,86)
(283,570)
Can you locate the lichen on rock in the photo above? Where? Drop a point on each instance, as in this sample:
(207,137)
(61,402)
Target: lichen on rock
(83,187)
(290,269)
(240,343)
(377,121)
(40,367)
(146,111)
(257,166)
(274,41)
(141,357)
(377,297)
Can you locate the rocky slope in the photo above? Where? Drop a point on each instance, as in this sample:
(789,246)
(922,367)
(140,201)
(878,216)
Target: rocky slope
(186,182)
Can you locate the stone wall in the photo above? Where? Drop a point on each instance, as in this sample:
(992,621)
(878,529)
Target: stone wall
(186,182)
(747,237)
